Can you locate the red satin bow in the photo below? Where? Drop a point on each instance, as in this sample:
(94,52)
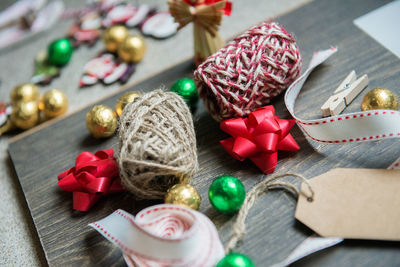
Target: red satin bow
(227,9)
(259,137)
(93,176)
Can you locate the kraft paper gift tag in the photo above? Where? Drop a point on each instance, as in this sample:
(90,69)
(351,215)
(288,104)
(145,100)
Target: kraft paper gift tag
(353,203)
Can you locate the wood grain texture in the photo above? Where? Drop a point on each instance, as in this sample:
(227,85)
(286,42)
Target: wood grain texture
(272,230)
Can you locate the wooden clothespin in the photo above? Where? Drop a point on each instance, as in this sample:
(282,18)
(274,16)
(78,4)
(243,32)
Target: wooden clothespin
(344,94)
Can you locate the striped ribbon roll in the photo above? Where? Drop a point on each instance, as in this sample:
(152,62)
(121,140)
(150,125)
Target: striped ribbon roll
(163,235)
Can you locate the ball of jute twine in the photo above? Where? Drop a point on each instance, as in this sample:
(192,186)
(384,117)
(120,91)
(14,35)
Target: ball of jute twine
(249,71)
(157,144)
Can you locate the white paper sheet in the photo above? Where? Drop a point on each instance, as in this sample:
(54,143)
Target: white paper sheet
(383,24)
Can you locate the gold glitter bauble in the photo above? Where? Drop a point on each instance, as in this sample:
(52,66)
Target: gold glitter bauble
(380,98)
(184,195)
(132,49)
(114,36)
(24,92)
(125,99)
(53,103)
(25,115)
(101,121)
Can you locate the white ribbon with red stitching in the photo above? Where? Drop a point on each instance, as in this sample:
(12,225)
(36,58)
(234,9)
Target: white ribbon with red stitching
(163,235)
(395,165)
(352,127)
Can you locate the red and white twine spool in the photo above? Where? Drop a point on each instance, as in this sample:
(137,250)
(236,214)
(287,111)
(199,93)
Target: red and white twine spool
(249,71)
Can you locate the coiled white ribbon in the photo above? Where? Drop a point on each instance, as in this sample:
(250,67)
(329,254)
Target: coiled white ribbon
(163,235)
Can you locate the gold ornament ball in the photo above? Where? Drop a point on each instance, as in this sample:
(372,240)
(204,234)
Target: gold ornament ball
(114,36)
(24,92)
(132,49)
(101,121)
(125,99)
(380,98)
(25,115)
(184,195)
(53,103)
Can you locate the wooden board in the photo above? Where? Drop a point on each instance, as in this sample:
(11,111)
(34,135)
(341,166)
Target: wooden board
(272,230)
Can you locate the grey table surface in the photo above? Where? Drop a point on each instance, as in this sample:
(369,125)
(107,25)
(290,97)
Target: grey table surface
(19,244)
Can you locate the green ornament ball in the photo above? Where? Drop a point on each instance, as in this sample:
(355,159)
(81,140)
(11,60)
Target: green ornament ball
(235,260)
(227,194)
(186,88)
(60,52)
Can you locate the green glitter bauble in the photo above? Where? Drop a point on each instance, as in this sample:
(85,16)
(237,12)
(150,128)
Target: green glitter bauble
(227,194)
(186,88)
(60,52)
(235,260)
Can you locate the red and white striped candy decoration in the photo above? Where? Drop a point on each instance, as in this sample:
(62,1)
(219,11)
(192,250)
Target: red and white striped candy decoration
(163,235)
(395,165)
(119,14)
(160,25)
(5,112)
(140,15)
(105,68)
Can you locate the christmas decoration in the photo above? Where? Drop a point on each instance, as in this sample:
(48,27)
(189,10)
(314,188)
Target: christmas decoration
(25,114)
(86,30)
(44,71)
(227,194)
(26,18)
(114,36)
(106,68)
(60,52)
(160,25)
(128,97)
(184,195)
(186,88)
(92,177)
(5,122)
(24,111)
(235,260)
(101,121)
(259,137)
(24,92)
(119,14)
(380,98)
(132,49)
(53,103)
(206,17)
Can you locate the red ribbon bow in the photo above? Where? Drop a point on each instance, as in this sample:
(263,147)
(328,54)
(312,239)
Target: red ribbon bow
(93,176)
(259,137)
(227,9)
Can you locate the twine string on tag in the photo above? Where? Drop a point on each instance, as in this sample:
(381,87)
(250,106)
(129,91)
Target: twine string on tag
(239,228)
